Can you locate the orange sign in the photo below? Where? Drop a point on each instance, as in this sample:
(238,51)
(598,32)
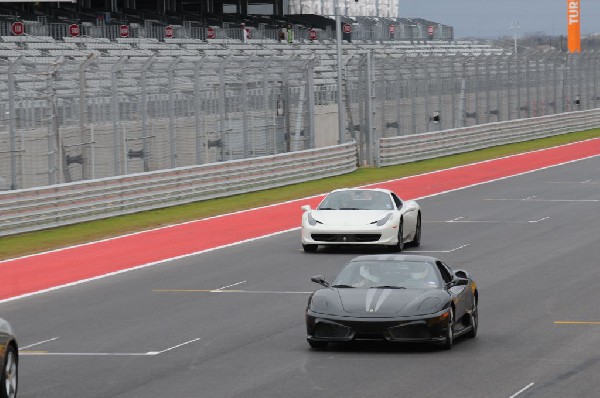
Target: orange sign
(573,20)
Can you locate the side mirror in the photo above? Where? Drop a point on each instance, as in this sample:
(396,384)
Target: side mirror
(320,280)
(306,208)
(461,282)
(461,274)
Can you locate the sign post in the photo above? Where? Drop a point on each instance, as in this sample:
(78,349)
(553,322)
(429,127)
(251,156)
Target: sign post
(573,26)
(169,31)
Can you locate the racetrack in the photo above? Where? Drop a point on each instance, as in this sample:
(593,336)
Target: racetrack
(229,322)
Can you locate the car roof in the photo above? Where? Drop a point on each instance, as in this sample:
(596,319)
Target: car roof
(395,257)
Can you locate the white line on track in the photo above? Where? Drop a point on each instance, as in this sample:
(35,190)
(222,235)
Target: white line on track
(522,390)
(439,251)
(38,343)
(586,182)
(460,220)
(530,199)
(225,287)
(106,354)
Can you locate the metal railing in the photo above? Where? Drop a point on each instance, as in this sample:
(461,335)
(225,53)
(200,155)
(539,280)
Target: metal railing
(41,208)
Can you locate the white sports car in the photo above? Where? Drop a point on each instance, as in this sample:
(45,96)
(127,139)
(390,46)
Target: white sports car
(362,217)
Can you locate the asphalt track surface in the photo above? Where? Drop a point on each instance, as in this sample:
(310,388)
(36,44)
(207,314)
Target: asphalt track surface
(229,322)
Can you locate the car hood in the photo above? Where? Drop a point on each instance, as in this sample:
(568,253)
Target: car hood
(348,217)
(381,302)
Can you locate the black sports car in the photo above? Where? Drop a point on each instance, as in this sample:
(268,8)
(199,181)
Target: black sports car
(9,359)
(399,298)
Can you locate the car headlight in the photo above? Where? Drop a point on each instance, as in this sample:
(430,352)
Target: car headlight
(318,304)
(311,220)
(383,221)
(429,305)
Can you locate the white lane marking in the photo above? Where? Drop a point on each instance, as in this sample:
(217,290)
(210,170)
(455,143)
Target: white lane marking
(540,220)
(530,199)
(174,347)
(225,287)
(227,291)
(38,343)
(461,220)
(586,182)
(522,390)
(104,354)
(439,251)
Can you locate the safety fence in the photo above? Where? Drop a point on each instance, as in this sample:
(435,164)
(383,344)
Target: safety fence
(41,208)
(135,110)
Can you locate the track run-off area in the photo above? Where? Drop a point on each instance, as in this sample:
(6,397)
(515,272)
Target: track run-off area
(218,309)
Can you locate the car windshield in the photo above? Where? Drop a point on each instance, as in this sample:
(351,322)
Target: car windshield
(357,199)
(388,274)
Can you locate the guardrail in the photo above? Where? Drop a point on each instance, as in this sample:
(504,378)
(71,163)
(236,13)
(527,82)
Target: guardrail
(410,148)
(64,204)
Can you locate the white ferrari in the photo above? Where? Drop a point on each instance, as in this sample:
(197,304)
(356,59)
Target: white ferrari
(359,216)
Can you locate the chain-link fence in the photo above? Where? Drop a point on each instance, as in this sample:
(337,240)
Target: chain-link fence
(393,96)
(107,116)
(72,120)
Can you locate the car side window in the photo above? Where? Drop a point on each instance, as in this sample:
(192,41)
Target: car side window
(397,200)
(444,271)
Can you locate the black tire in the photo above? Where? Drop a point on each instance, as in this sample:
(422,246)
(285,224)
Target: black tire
(9,378)
(474,320)
(398,247)
(416,242)
(450,331)
(310,248)
(319,345)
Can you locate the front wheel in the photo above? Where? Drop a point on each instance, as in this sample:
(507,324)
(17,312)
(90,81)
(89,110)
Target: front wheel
(450,332)
(398,247)
(474,319)
(9,379)
(416,242)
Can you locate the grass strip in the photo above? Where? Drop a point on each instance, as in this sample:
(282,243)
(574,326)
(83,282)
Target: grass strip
(39,241)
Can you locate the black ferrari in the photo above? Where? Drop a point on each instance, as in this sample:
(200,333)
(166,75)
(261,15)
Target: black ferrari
(398,298)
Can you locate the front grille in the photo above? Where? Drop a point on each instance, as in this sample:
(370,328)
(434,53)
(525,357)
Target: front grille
(369,336)
(410,331)
(331,330)
(346,238)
